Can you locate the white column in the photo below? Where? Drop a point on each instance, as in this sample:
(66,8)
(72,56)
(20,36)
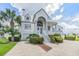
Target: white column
(51,29)
(35,26)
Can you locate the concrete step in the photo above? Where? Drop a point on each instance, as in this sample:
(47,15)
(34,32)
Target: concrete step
(46,39)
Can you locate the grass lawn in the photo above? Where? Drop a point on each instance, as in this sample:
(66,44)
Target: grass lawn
(5,46)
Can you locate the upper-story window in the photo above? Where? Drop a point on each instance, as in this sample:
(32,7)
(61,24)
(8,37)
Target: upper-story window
(27,18)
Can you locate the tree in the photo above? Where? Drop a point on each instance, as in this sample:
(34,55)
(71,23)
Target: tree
(10,15)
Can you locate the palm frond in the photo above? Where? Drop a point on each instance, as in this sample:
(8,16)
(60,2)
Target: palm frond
(8,12)
(3,15)
(13,14)
(18,19)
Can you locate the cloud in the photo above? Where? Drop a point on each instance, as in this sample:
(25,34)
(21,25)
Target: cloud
(53,7)
(75,18)
(68,26)
(72,19)
(70,22)
(31,8)
(57,17)
(50,8)
(62,9)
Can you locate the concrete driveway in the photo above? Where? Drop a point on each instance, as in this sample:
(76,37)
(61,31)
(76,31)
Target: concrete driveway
(67,48)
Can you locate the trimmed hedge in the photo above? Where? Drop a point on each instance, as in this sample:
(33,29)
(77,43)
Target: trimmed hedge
(34,35)
(56,38)
(56,34)
(9,38)
(70,37)
(16,38)
(35,39)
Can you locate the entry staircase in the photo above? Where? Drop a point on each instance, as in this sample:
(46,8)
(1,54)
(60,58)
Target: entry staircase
(46,37)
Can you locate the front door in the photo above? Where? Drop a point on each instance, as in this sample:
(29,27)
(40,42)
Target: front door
(40,30)
(40,25)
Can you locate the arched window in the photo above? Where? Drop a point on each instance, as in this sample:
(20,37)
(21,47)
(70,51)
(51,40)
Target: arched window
(27,17)
(39,23)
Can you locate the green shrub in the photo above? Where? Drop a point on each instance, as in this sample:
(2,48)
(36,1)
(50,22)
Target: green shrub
(41,39)
(34,35)
(9,38)
(52,38)
(16,38)
(1,32)
(56,38)
(56,34)
(77,36)
(35,39)
(3,40)
(70,37)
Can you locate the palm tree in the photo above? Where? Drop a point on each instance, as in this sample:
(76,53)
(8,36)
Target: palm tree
(10,15)
(18,20)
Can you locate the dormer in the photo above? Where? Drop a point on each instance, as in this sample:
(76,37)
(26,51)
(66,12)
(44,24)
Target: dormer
(27,17)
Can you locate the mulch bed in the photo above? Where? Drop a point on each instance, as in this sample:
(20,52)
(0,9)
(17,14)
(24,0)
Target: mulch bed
(45,47)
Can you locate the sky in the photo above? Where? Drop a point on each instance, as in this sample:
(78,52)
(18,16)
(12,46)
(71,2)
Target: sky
(3,6)
(66,14)
(70,9)
(71,15)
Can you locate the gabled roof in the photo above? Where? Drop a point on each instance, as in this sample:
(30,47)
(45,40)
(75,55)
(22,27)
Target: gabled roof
(39,11)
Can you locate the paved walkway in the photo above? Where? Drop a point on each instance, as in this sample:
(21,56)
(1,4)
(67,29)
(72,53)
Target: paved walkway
(68,48)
